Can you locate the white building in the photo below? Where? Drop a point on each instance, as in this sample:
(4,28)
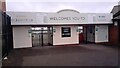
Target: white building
(60,28)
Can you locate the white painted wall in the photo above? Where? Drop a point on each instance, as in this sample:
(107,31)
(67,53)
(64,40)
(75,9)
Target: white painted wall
(21,37)
(101,33)
(59,40)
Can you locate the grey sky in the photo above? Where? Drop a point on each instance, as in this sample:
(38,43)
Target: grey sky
(98,6)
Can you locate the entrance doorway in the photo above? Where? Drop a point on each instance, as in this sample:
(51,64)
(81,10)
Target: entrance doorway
(42,36)
(81,35)
(86,34)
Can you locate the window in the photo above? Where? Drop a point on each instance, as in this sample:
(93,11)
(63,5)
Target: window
(66,31)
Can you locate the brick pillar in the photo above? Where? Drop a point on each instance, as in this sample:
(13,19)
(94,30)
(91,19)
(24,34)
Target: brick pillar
(3,5)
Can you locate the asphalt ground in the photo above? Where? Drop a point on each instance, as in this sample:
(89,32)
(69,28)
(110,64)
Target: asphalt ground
(76,55)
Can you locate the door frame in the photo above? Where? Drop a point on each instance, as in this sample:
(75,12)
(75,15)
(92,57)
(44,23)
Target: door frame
(41,38)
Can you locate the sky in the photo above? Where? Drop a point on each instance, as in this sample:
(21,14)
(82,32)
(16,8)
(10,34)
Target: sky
(83,6)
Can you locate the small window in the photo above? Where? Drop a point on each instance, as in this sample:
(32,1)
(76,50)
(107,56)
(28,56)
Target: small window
(66,31)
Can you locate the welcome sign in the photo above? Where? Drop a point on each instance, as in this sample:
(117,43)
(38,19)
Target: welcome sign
(67,18)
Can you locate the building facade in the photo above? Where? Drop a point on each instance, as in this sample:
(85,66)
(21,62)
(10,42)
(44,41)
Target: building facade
(115,27)
(64,27)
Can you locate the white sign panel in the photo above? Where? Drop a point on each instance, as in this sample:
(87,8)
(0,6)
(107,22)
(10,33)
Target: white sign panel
(37,18)
(63,18)
(25,18)
(103,17)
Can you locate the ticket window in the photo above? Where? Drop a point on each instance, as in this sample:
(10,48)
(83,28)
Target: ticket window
(66,31)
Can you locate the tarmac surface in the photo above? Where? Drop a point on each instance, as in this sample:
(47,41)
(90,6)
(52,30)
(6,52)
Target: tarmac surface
(81,55)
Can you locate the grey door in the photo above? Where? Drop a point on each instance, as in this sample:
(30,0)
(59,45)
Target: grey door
(36,39)
(42,37)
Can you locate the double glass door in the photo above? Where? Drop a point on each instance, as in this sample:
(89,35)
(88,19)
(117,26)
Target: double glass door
(42,36)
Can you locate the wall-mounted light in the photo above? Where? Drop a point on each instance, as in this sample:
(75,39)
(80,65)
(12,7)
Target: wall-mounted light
(96,29)
(77,30)
(115,23)
(30,32)
(54,30)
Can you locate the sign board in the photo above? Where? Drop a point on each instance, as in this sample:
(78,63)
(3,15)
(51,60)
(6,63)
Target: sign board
(37,18)
(24,18)
(65,18)
(102,17)
(66,31)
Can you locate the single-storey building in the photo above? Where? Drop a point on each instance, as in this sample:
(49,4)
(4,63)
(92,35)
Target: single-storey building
(65,27)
